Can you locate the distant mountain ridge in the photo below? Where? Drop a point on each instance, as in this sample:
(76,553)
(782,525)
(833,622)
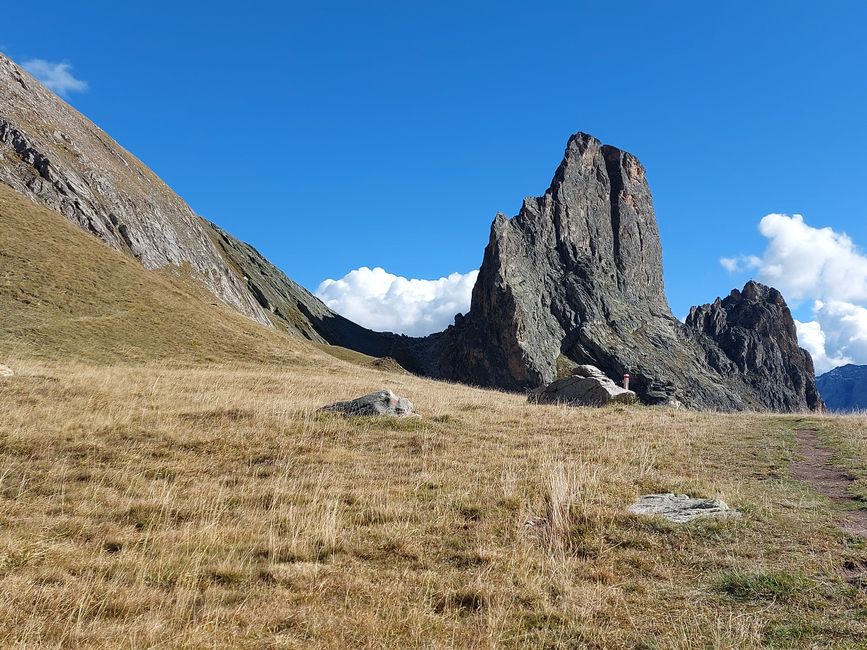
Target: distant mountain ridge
(845,388)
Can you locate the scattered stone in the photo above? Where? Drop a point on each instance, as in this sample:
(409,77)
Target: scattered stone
(680,508)
(587,386)
(382,402)
(5,371)
(387,364)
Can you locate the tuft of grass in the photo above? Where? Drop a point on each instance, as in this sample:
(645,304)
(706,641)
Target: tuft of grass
(776,586)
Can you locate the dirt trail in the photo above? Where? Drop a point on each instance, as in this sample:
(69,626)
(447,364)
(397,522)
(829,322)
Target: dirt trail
(815,469)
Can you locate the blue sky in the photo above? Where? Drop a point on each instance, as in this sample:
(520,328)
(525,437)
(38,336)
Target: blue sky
(334,136)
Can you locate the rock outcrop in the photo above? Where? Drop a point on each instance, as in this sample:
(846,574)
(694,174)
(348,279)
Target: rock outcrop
(755,332)
(844,389)
(576,278)
(382,402)
(587,386)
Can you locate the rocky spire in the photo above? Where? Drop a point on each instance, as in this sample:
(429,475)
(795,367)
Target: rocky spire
(576,278)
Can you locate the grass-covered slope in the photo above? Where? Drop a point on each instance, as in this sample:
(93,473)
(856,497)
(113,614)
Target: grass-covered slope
(66,294)
(211,506)
(166,481)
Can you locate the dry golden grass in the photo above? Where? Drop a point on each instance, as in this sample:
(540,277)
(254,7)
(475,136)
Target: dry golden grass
(166,482)
(65,294)
(160,506)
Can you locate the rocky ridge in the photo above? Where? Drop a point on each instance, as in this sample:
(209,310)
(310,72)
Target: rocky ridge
(575,278)
(755,331)
(55,156)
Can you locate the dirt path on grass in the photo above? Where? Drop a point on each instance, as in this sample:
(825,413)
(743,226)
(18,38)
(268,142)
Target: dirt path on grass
(816,470)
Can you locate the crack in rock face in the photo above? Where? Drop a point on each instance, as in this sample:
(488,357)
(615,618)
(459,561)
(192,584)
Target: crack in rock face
(680,508)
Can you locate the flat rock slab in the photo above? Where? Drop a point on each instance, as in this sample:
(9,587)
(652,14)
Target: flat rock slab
(680,508)
(382,402)
(5,371)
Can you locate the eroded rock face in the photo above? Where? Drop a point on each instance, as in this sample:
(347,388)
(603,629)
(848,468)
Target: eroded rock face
(755,331)
(57,157)
(587,386)
(382,402)
(576,277)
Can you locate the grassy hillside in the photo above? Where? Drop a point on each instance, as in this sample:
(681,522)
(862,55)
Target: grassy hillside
(213,507)
(65,294)
(166,481)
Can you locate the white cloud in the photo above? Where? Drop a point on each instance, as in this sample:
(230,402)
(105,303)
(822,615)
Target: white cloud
(822,265)
(814,341)
(382,301)
(56,76)
(740,263)
(813,263)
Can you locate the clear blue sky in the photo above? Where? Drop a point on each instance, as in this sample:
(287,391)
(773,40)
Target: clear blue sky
(342,134)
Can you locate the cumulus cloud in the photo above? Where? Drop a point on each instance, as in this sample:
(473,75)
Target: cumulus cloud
(56,76)
(382,301)
(812,338)
(806,262)
(821,265)
(740,263)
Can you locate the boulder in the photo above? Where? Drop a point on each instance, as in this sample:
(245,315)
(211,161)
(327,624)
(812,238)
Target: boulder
(5,371)
(587,386)
(382,402)
(680,508)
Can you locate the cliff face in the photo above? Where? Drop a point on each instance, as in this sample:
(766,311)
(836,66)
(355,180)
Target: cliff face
(576,278)
(845,388)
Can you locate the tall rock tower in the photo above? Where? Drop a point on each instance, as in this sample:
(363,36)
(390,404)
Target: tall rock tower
(576,277)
